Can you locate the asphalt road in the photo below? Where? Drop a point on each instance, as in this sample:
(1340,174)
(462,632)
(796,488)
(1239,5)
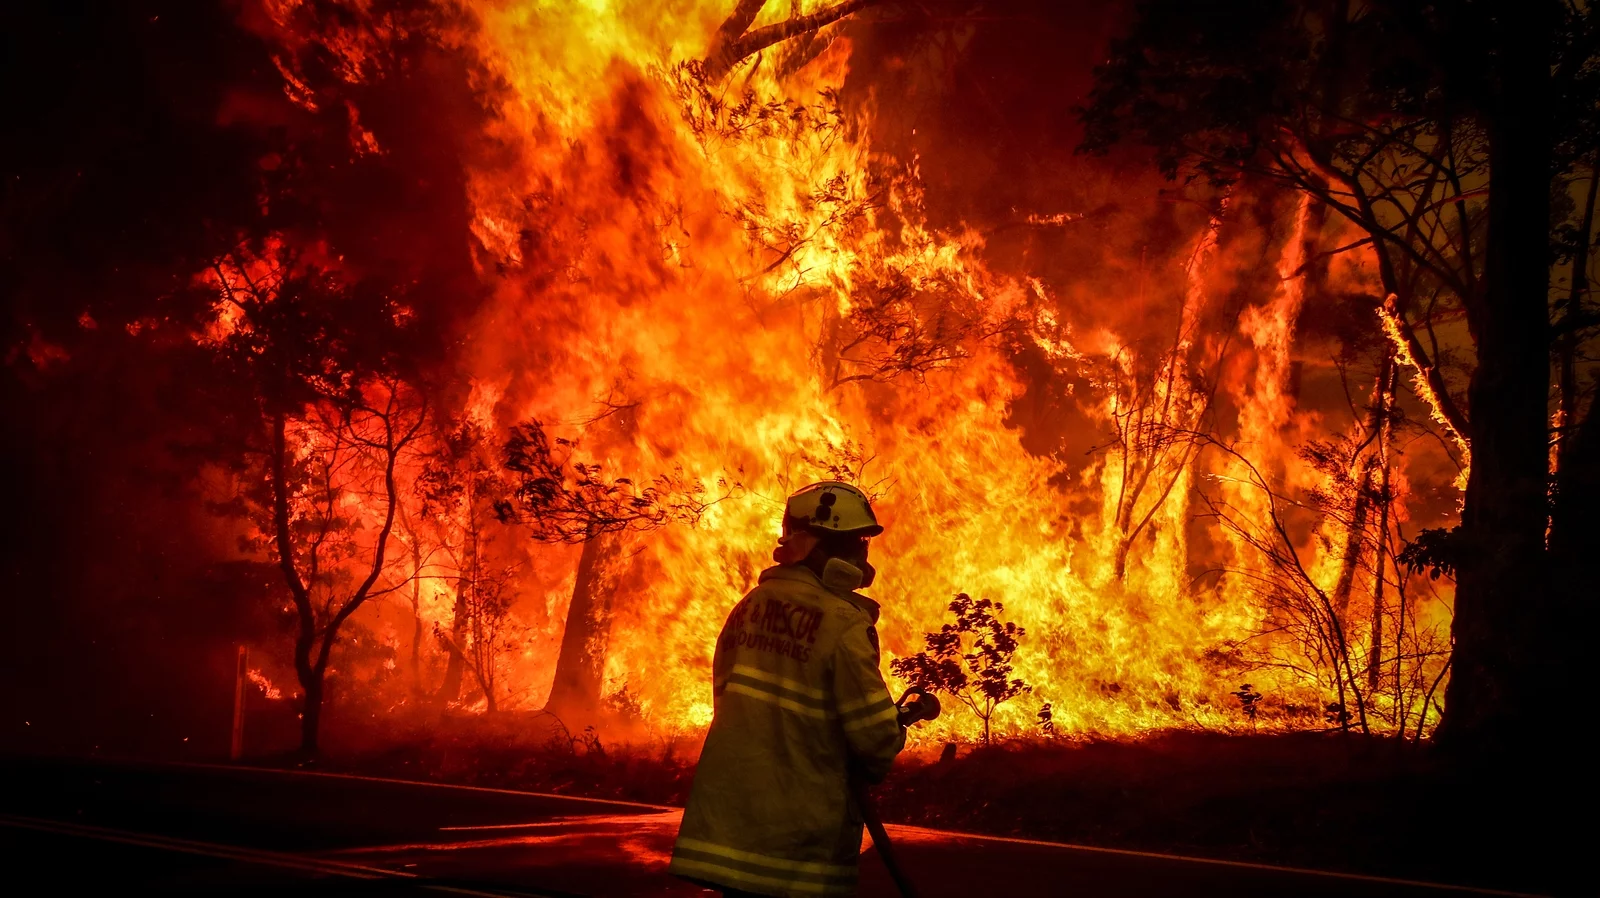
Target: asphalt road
(72,826)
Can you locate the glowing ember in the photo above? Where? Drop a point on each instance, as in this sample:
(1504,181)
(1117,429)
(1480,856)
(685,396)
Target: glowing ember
(265,685)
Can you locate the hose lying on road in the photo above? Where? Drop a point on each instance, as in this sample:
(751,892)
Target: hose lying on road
(923,706)
(880,839)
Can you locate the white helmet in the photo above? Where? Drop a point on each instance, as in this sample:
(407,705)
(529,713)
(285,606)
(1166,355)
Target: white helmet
(830,507)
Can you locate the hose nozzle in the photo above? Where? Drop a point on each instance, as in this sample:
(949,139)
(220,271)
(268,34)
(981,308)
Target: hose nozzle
(916,705)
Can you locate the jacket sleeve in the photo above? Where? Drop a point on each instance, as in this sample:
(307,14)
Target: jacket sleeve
(866,711)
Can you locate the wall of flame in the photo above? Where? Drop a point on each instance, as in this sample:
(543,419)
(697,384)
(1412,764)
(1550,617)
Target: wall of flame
(647,251)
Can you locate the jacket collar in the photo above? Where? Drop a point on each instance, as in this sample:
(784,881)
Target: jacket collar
(799,573)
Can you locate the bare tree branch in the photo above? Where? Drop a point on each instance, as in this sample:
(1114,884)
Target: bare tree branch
(1431,386)
(733,42)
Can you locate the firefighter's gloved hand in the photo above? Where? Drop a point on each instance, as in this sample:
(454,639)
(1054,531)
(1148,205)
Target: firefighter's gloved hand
(917,705)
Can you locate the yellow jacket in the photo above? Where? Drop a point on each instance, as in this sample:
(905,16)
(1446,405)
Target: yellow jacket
(800,703)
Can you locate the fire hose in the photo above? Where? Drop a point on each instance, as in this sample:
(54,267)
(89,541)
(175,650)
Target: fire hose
(923,707)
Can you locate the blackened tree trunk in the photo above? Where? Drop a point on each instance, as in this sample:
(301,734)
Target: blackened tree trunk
(306,633)
(450,689)
(1571,316)
(1354,544)
(1493,696)
(1575,515)
(1575,521)
(463,623)
(311,716)
(416,603)
(580,667)
(1384,412)
(1574,548)
(319,626)
(416,627)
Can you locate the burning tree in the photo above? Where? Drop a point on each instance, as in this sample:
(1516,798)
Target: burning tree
(905,323)
(1357,495)
(1435,133)
(560,499)
(489,627)
(909,314)
(1359,503)
(735,40)
(1155,437)
(336,423)
(1298,608)
(1159,410)
(745,235)
(969,658)
(458,488)
(1308,627)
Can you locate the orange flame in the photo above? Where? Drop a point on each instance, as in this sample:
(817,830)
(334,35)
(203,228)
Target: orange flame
(265,685)
(706,255)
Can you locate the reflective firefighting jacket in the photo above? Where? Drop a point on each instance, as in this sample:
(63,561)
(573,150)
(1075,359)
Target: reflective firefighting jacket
(800,704)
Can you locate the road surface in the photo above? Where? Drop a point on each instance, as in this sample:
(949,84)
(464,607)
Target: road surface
(196,829)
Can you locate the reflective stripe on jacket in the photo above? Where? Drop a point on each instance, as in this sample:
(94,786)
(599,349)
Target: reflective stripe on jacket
(800,703)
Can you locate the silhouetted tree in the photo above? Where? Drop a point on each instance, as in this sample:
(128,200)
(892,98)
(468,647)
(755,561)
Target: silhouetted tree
(735,40)
(1249,702)
(1160,405)
(969,659)
(559,498)
(460,482)
(335,423)
(1437,130)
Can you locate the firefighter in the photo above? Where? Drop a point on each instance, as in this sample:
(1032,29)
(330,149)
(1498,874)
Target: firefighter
(800,707)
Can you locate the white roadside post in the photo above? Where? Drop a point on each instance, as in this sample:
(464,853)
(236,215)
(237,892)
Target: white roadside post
(240,674)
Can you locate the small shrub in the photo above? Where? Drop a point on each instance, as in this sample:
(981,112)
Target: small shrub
(625,705)
(969,659)
(1336,715)
(590,740)
(1248,700)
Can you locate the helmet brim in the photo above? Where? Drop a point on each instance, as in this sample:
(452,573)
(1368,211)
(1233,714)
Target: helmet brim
(790,525)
